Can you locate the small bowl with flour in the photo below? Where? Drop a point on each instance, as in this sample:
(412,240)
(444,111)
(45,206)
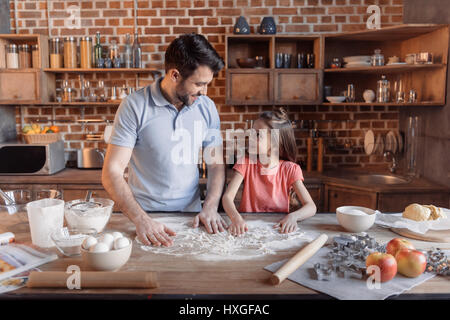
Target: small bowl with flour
(354,218)
(83,215)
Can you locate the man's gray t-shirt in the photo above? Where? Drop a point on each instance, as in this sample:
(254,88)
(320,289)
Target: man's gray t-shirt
(163,169)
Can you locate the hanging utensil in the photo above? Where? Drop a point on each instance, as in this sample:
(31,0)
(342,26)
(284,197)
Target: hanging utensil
(8,200)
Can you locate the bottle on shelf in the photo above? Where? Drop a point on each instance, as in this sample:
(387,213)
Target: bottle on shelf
(12,56)
(128,53)
(137,52)
(98,59)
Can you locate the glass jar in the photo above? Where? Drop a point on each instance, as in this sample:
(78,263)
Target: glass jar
(70,53)
(56,53)
(377,58)
(86,53)
(336,63)
(35,55)
(67,97)
(113,50)
(24,56)
(383,90)
(12,56)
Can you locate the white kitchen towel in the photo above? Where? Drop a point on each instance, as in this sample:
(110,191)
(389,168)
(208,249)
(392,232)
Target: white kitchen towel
(395,220)
(348,288)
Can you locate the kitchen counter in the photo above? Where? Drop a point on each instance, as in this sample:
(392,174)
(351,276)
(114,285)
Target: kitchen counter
(338,177)
(187,277)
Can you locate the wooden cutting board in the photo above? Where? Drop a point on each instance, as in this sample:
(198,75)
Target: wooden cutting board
(431,235)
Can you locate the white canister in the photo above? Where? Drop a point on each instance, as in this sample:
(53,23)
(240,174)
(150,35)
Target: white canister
(45,216)
(368,96)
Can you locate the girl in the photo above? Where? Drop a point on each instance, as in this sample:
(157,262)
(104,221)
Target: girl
(267,183)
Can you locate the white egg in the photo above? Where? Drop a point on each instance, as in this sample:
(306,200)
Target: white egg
(89,242)
(121,243)
(107,239)
(99,247)
(117,235)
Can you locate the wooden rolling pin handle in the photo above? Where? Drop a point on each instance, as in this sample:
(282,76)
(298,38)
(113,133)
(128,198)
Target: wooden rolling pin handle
(298,259)
(320,155)
(94,279)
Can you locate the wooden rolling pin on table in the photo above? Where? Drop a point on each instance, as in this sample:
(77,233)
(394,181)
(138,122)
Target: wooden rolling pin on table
(298,259)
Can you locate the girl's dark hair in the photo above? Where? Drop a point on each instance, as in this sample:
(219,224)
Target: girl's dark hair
(189,51)
(278,119)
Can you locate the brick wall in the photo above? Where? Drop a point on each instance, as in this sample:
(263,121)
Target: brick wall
(159,22)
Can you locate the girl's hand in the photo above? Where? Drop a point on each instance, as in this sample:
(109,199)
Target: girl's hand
(238,227)
(288,224)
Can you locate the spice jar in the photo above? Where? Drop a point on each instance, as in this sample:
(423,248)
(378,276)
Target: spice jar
(113,50)
(86,52)
(67,97)
(12,56)
(35,55)
(56,53)
(70,53)
(24,56)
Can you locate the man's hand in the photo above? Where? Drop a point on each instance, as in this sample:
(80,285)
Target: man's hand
(151,232)
(288,224)
(211,219)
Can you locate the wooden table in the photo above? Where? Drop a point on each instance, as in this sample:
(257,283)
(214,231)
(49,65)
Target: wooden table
(181,277)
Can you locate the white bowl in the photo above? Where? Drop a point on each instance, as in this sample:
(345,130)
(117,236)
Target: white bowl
(353,222)
(107,261)
(336,99)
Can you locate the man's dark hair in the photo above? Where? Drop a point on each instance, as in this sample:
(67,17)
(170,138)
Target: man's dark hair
(189,51)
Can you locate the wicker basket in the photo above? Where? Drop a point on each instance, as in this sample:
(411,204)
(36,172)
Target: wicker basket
(41,138)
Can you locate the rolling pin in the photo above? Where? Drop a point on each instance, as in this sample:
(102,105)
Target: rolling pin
(309,154)
(94,279)
(319,154)
(298,259)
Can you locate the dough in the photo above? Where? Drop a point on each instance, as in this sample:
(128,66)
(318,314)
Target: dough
(436,212)
(416,212)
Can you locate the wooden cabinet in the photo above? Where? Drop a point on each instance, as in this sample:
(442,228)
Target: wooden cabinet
(250,87)
(30,85)
(298,87)
(339,196)
(389,201)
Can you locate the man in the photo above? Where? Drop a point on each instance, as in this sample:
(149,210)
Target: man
(147,129)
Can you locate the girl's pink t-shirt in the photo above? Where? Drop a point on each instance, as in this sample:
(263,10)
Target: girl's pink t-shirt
(267,190)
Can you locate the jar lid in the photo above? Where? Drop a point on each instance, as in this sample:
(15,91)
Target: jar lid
(24,47)
(55,39)
(69,39)
(86,39)
(12,45)
(35,47)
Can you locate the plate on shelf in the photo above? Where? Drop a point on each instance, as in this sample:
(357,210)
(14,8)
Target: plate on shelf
(399,141)
(395,63)
(357,65)
(391,142)
(358,59)
(336,99)
(369,142)
(379,145)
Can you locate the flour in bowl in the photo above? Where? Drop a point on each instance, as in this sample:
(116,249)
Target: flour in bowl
(260,239)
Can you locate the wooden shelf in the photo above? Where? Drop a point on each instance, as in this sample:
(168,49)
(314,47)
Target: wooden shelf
(104,70)
(387,69)
(55,104)
(416,104)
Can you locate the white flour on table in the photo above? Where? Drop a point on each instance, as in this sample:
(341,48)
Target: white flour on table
(260,239)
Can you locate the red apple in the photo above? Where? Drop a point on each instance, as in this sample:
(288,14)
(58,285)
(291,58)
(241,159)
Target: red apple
(411,263)
(386,262)
(397,244)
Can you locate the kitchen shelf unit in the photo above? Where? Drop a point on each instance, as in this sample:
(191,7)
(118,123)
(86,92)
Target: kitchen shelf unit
(39,85)
(429,80)
(270,85)
(293,86)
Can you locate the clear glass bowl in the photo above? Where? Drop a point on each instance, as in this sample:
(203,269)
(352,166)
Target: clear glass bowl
(68,240)
(82,215)
(22,196)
